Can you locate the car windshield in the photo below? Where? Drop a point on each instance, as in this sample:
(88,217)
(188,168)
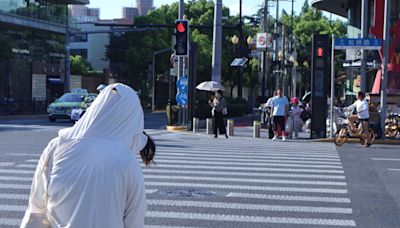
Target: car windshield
(70,97)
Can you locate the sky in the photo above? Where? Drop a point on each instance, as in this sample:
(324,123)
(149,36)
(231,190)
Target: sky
(113,9)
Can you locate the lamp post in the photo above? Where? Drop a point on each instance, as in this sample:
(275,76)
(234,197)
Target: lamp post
(241,52)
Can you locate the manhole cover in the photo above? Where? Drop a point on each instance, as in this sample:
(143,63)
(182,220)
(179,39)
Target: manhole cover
(195,193)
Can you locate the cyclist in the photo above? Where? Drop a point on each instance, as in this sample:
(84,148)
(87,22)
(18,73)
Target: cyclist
(361,106)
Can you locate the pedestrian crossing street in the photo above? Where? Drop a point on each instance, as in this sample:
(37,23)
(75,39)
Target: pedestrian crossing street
(198,181)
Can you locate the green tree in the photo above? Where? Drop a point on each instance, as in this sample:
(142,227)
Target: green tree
(79,65)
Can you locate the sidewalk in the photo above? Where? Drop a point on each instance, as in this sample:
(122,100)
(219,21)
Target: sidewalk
(243,127)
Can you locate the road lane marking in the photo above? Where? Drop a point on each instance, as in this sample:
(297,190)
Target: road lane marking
(245,180)
(247,174)
(11,178)
(16,186)
(394,169)
(17,171)
(7,163)
(252,161)
(196,162)
(237,152)
(250,219)
(14,196)
(244,157)
(244,206)
(33,155)
(26,166)
(385,159)
(151,191)
(6,207)
(10,221)
(289,197)
(245,168)
(248,187)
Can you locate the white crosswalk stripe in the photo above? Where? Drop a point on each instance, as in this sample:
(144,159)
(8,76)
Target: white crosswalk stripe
(205,185)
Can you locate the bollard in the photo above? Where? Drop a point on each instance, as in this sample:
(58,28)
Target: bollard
(256,129)
(209,126)
(230,127)
(195,124)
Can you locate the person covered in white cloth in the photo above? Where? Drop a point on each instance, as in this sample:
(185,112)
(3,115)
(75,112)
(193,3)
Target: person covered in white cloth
(89,175)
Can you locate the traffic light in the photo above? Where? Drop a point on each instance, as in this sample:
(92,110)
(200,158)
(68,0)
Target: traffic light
(320,52)
(181,38)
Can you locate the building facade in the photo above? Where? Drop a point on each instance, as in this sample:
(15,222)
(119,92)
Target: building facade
(351,9)
(32,54)
(92,47)
(144,6)
(130,12)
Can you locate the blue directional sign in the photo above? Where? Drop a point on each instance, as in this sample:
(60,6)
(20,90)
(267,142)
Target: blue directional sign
(359,43)
(181,98)
(182,84)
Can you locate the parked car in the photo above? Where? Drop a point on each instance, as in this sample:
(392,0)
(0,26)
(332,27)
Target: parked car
(62,107)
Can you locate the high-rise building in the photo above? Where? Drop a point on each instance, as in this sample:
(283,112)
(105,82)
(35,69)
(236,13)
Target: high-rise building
(130,12)
(93,12)
(81,13)
(144,6)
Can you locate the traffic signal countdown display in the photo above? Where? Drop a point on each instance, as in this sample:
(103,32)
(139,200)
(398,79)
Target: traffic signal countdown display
(181,38)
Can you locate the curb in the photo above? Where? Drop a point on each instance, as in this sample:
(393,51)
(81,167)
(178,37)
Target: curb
(176,128)
(23,117)
(356,140)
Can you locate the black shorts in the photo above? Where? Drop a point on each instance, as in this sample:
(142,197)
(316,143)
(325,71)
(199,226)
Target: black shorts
(279,121)
(364,120)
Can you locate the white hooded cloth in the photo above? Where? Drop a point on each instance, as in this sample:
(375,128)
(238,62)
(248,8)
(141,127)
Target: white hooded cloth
(94,178)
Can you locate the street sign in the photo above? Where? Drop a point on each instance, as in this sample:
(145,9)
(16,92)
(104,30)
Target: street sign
(359,43)
(263,41)
(181,98)
(182,84)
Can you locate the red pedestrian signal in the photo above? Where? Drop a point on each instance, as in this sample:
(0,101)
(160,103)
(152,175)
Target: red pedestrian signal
(320,52)
(180,27)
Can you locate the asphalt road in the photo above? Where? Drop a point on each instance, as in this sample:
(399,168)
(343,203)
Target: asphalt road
(199,181)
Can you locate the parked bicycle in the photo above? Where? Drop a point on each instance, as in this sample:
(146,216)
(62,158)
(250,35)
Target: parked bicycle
(363,131)
(392,123)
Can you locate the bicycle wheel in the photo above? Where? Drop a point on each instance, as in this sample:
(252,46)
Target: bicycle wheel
(341,136)
(368,138)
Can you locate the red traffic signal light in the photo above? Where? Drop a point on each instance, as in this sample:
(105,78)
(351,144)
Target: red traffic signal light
(180,27)
(320,52)
(181,38)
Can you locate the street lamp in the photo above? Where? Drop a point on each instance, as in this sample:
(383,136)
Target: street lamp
(235,40)
(250,41)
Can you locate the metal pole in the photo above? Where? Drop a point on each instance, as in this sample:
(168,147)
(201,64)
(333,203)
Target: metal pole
(332,84)
(67,54)
(386,37)
(364,34)
(264,56)
(153,92)
(276,30)
(217,43)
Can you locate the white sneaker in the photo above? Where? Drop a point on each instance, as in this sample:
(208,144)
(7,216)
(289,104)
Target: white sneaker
(283,138)
(294,137)
(274,138)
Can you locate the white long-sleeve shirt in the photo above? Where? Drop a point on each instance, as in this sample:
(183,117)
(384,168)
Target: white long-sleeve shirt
(361,108)
(93,178)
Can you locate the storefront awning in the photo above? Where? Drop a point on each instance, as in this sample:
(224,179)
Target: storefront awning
(337,7)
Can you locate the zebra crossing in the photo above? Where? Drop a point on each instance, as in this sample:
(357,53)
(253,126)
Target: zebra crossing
(204,182)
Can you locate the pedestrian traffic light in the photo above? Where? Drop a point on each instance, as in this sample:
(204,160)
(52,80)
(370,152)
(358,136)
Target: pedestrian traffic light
(181,38)
(320,52)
